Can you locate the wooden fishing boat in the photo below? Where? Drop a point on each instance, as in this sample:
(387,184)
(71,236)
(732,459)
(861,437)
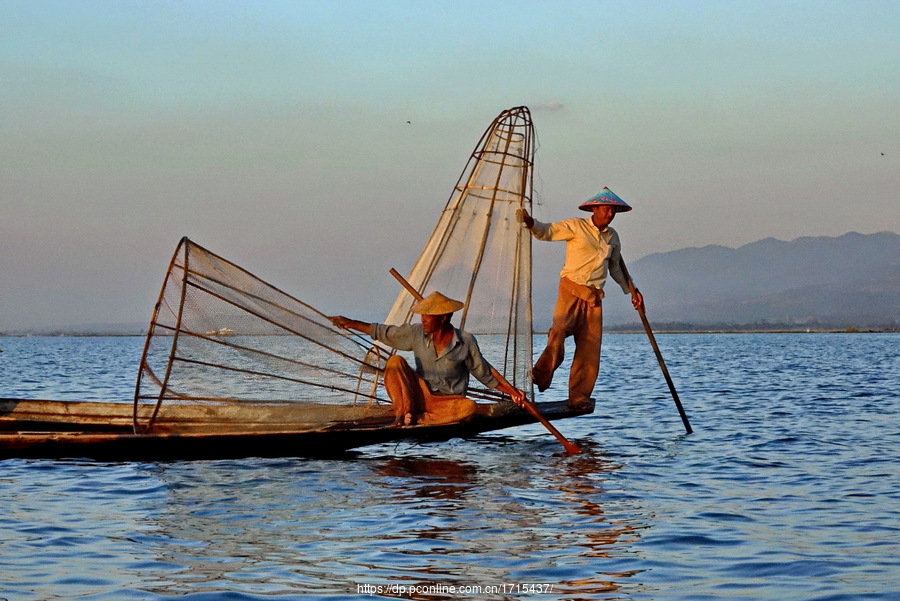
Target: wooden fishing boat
(104,431)
(233,366)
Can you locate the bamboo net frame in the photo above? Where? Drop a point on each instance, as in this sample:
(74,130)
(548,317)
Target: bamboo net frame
(219,334)
(480,253)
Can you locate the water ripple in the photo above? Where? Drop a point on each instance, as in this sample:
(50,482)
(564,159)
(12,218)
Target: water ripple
(788,489)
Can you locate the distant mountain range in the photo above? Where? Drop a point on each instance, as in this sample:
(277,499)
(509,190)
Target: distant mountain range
(849,281)
(843,282)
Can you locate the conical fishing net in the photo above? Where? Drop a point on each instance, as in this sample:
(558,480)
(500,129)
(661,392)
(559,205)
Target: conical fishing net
(480,254)
(221,336)
(227,350)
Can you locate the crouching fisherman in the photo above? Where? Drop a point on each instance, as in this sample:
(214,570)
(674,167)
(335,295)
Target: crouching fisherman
(433,393)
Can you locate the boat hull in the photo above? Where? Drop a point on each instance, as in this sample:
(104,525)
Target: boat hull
(27,433)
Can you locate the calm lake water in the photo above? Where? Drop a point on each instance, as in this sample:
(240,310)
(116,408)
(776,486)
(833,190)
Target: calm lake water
(789,488)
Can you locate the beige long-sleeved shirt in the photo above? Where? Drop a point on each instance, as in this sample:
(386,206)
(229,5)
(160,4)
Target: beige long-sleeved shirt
(591,255)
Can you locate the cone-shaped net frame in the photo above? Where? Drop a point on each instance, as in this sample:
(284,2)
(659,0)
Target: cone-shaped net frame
(480,253)
(221,335)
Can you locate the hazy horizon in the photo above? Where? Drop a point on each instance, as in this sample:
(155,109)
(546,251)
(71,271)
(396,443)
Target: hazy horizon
(617,312)
(315,143)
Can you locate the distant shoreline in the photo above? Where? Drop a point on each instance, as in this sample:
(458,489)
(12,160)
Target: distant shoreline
(68,335)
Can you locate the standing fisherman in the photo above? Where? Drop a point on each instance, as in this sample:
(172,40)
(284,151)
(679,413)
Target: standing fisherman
(592,255)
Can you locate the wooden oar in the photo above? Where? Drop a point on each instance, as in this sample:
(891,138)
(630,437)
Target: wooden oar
(571,447)
(662,364)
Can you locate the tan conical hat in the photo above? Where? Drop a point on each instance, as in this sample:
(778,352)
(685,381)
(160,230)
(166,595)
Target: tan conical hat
(437,304)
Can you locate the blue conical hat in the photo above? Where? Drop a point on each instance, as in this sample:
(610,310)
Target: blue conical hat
(605,197)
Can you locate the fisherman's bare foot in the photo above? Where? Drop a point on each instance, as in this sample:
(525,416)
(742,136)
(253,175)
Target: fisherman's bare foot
(408,420)
(580,404)
(541,379)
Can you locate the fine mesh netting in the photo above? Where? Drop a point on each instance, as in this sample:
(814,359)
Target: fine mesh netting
(230,350)
(221,335)
(480,254)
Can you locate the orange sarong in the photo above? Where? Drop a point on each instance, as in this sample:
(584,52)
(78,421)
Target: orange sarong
(578,313)
(409,394)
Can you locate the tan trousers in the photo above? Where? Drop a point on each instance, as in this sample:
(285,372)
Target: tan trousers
(578,313)
(410,395)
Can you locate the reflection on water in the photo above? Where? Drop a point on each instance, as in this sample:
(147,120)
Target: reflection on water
(271,527)
(788,489)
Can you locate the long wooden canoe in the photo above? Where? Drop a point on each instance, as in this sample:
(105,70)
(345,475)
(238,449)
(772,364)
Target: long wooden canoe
(58,429)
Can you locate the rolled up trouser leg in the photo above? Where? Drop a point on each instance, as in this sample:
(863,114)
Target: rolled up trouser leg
(552,356)
(402,385)
(578,312)
(586,360)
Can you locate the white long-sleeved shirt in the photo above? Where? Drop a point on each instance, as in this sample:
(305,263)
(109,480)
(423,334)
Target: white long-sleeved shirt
(591,255)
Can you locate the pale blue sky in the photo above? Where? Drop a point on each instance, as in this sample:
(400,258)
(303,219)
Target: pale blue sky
(275,133)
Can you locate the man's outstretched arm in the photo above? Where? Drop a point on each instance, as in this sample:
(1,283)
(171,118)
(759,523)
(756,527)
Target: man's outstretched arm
(345,323)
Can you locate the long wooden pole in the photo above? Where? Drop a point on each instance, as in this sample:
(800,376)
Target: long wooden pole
(571,447)
(662,364)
